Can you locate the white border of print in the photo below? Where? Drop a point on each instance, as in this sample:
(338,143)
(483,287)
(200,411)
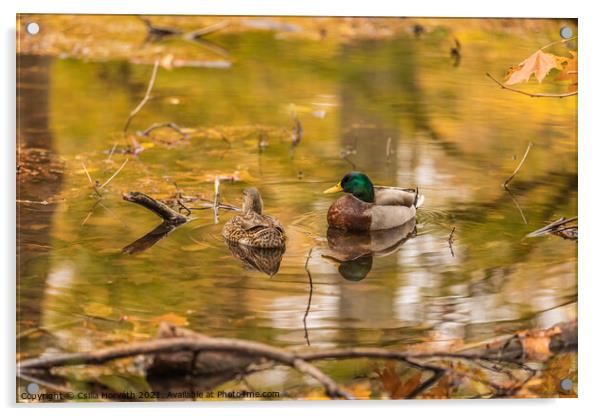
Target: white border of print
(590,139)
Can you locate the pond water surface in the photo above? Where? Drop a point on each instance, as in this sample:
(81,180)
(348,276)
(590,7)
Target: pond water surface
(396,109)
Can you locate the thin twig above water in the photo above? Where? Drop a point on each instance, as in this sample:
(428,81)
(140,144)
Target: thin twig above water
(520,165)
(169,125)
(533,95)
(311,291)
(115,174)
(146,97)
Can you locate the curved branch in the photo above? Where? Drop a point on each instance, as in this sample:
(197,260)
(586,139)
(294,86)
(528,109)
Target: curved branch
(536,95)
(189,344)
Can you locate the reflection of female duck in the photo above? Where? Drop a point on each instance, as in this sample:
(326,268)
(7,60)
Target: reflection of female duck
(266,260)
(355,251)
(257,240)
(253,228)
(369,207)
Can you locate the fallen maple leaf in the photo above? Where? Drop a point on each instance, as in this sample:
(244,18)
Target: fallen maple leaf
(536,344)
(392,383)
(538,64)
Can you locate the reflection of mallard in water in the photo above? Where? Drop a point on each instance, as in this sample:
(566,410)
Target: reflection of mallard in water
(253,228)
(368,207)
(354,251)
(265,260)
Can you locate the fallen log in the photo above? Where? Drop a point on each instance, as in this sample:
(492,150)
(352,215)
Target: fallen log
(166,213)
(183,351)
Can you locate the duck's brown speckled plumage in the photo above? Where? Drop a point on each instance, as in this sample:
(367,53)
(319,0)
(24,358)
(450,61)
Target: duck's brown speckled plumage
(253,228)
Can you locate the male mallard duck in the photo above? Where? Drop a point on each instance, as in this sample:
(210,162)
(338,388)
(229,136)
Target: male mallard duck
(354,251)
(369,207)
(253,228)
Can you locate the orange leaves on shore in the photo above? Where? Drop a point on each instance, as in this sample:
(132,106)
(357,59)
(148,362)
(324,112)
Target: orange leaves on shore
(395,387)
(536,343)
(538,64)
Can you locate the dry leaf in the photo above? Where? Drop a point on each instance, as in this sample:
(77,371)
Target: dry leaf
(569,71)
(538,64)
(441,390)
(393,385)
(536,344)
(361,390)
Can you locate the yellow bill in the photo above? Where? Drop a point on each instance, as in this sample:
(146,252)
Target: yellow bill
(336,188)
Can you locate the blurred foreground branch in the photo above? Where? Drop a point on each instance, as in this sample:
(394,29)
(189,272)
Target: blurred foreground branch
(524,346)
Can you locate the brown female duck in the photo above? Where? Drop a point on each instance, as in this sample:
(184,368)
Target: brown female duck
(253,228)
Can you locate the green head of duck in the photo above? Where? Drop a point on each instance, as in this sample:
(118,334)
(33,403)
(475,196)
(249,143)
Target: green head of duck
(356,184)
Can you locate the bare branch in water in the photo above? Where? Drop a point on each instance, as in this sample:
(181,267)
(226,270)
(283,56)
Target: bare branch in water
(311,291)
(156,126)
(165,345)
(159,208)
(207,30)
(115,174)
(146,97)
(520,165)
(522,347)
(558,227)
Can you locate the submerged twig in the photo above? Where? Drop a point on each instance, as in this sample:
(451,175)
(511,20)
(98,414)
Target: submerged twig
(520,165)
(534,95)
(146,97)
